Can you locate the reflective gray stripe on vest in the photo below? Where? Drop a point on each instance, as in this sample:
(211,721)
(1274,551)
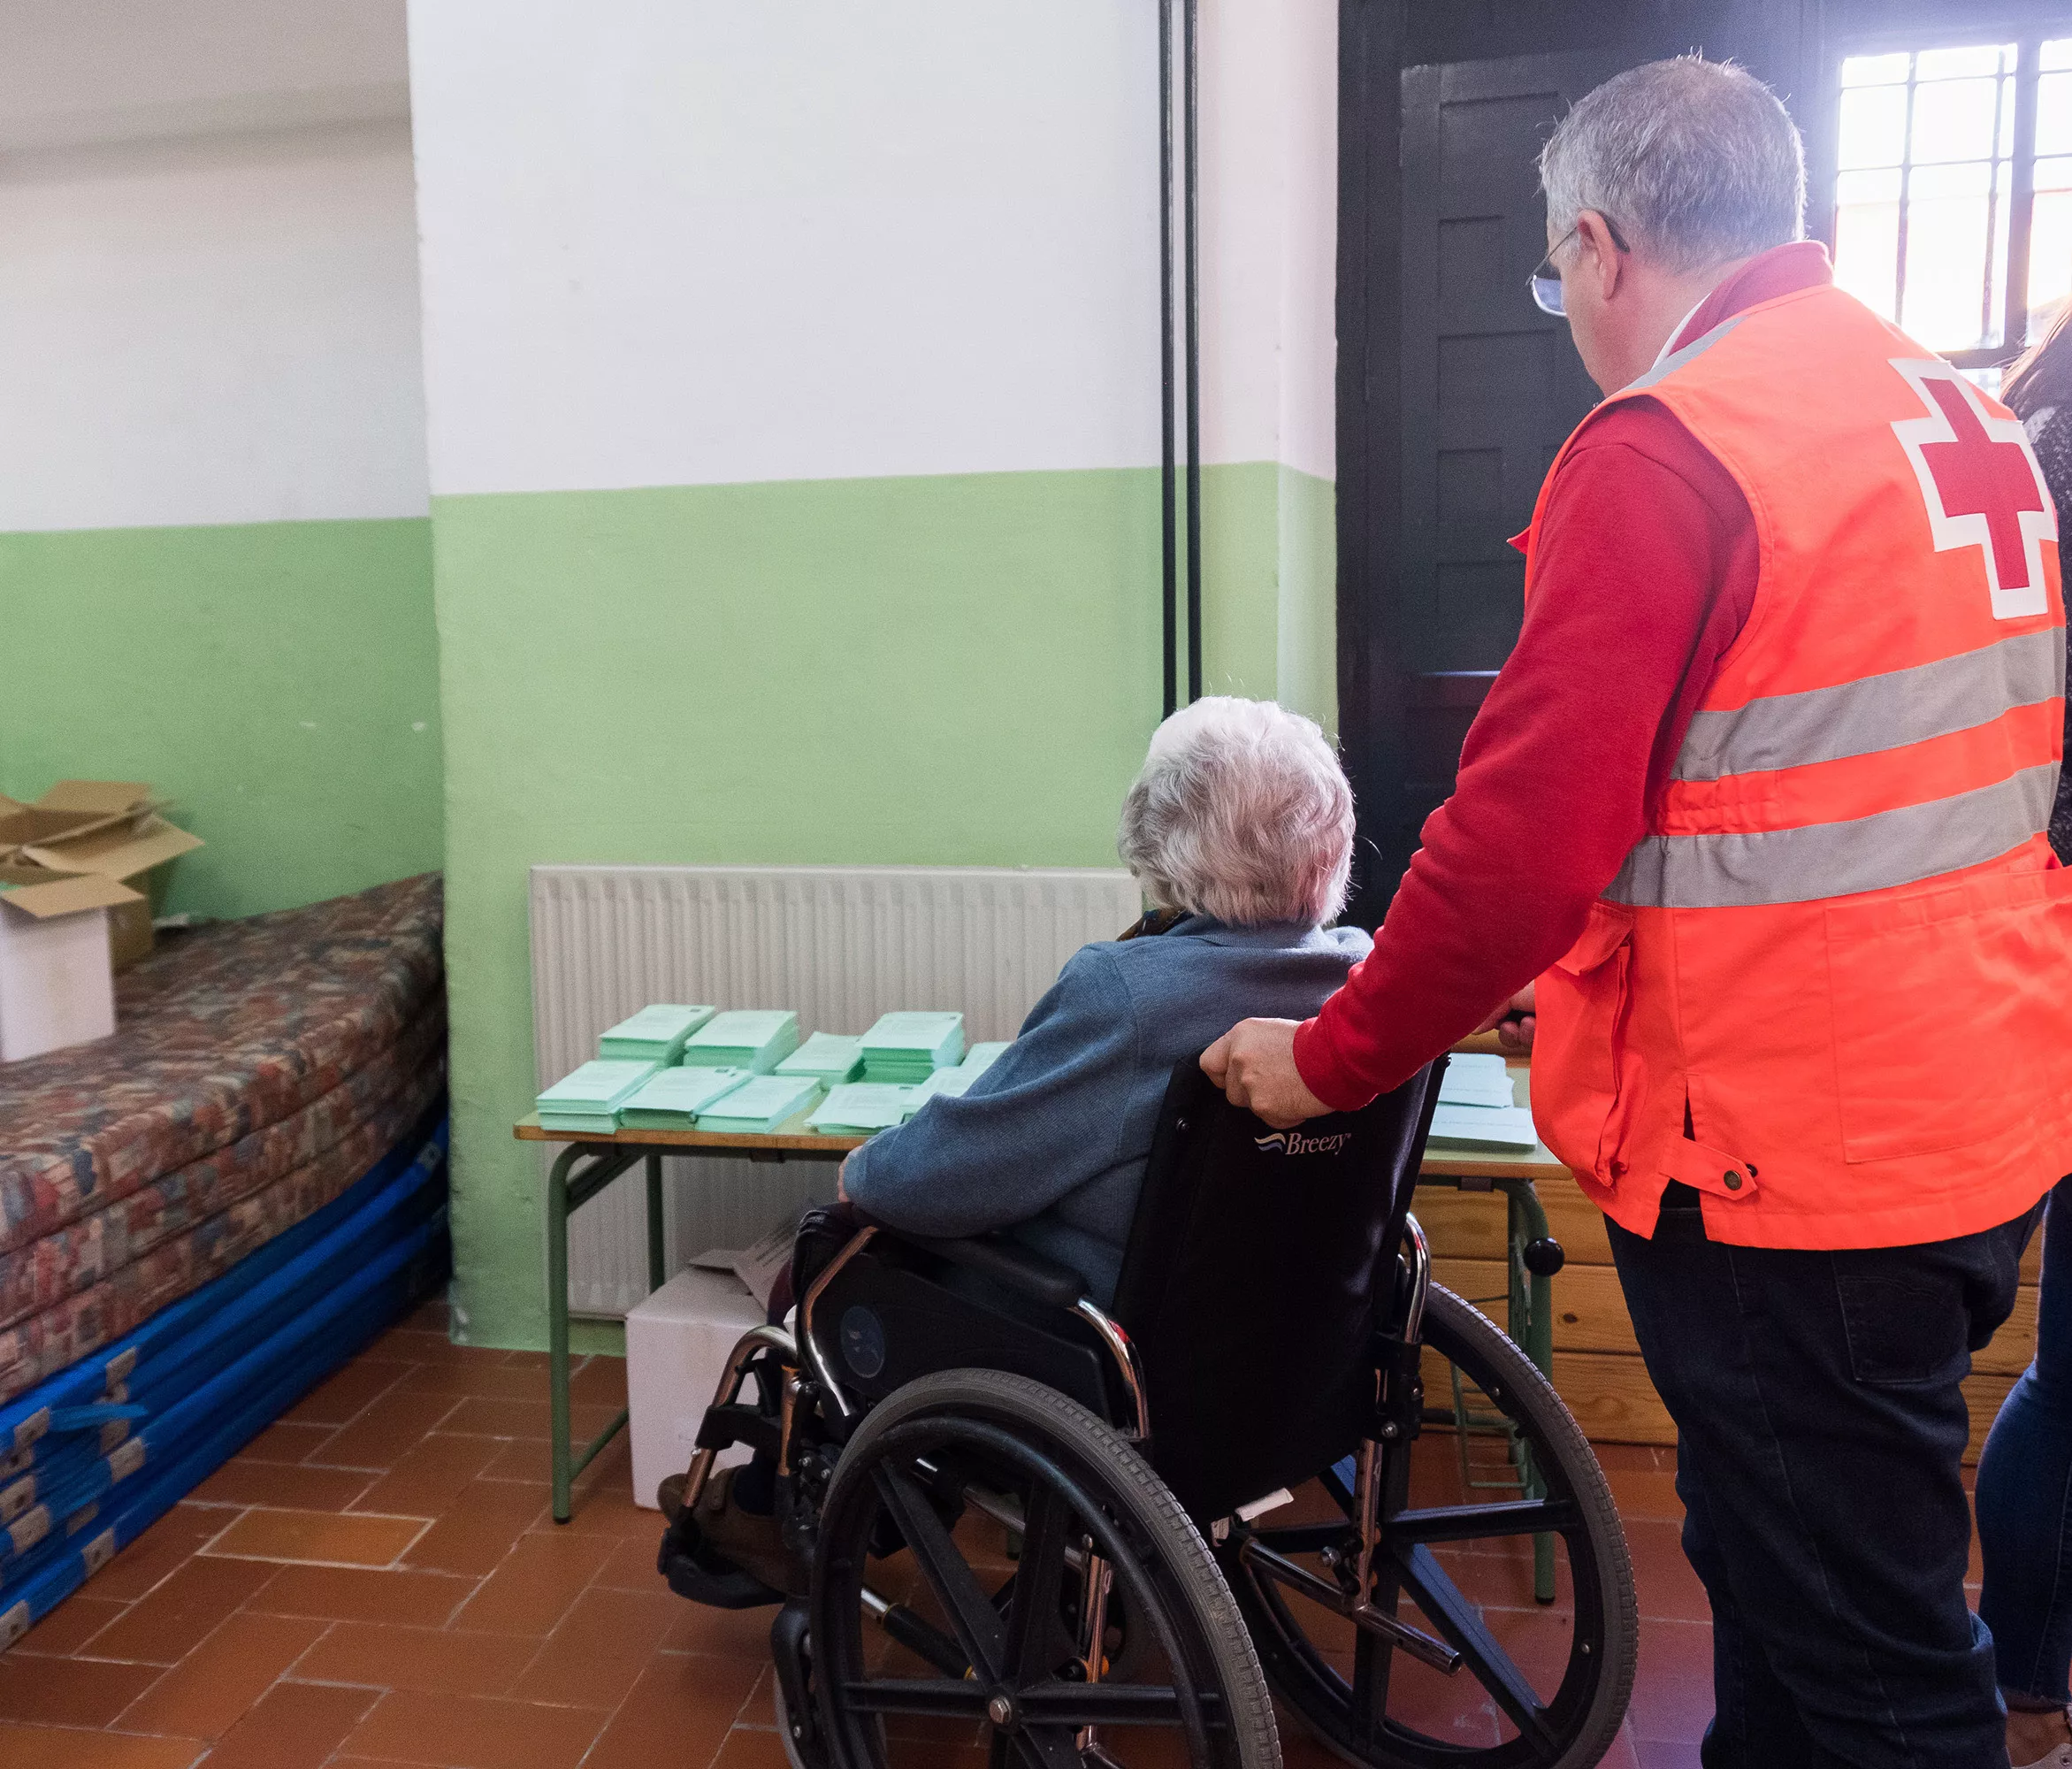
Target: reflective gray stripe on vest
(1837,860)
(1877,712)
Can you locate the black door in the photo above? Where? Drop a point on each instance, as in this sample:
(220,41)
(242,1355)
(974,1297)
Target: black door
(1489,386)
(1453,389)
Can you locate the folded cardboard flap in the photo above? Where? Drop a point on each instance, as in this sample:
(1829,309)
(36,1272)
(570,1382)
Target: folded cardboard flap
(115,852)
(102,797)
(108,829)
(38,894)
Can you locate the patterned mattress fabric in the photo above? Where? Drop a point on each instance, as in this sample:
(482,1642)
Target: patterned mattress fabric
(226,1031)
(83,1253)
(45,1342)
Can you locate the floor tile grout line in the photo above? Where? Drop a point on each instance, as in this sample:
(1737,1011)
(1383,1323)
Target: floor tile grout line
(353,1418)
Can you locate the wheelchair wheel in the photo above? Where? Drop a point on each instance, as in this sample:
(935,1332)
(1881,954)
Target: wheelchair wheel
(1536,1687)
(1023,1514)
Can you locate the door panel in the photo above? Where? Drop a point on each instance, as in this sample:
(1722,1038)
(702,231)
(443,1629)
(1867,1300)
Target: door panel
(1490,383)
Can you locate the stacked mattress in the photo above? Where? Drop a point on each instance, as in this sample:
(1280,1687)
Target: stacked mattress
(259,1068)
(204,1215)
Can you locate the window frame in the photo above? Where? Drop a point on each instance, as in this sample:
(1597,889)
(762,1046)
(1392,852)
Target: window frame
(2027,30)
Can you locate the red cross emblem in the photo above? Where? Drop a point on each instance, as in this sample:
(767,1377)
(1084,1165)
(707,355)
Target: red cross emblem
(1982,485)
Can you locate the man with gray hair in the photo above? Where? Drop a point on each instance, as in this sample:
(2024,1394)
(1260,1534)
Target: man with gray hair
(1760,801)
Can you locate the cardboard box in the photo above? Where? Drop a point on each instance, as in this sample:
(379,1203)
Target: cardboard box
(57,986)
(101,829)
(676,1346)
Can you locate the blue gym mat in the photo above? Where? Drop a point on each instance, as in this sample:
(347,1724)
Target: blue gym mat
(99,1452)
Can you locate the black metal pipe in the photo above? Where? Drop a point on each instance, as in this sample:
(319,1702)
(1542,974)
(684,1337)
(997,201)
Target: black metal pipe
(1194,361)
(1169,558)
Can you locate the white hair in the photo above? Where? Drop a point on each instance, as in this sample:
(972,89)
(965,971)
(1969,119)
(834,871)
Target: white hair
(1242,814)
(1695,161)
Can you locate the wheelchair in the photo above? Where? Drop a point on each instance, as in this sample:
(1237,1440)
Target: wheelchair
(1285,1464)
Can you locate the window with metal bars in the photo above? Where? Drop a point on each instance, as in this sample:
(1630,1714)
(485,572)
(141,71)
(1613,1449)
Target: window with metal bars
(1953,193)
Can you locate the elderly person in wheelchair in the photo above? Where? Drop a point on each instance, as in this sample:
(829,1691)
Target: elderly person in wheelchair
(1103,1417)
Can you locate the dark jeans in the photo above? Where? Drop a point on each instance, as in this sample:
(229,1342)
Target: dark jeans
(1819,1433)
(2025,1492)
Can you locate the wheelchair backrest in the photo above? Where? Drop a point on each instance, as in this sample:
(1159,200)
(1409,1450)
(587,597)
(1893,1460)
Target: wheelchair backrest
(1260,1263)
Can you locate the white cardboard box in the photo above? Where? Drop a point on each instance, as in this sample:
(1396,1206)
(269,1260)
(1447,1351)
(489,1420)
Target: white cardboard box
(676,1346)
(56,985)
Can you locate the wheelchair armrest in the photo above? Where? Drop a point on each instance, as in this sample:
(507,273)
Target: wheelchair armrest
(1015,1267)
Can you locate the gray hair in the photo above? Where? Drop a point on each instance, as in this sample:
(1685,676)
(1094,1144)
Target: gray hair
(1242,813)
(1694,161)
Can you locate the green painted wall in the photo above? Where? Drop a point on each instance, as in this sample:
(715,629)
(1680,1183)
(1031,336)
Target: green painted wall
(278,681)
(960,670)
(1270,587)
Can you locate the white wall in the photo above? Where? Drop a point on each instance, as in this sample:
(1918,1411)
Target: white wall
(696,242)
(202,321)
(210,331)
(1269,208)
(79,70)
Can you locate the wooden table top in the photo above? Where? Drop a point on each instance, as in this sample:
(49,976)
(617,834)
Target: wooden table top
(790,1138)
(794,1138)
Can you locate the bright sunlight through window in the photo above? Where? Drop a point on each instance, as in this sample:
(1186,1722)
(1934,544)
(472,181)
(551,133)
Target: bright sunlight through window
(1951,180)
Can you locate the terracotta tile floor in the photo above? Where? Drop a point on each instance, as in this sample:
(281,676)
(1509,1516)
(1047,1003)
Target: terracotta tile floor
(376,1580)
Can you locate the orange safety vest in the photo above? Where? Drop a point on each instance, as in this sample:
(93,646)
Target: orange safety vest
(1831,987)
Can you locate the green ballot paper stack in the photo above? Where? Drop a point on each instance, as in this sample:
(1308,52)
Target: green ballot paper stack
(759,1105)
(863,1109)
(982,1057)
(655,1034)
(906,1048)
(950,1081)
(827,1058)
(672,1099)
(589,1099)
(757,1038)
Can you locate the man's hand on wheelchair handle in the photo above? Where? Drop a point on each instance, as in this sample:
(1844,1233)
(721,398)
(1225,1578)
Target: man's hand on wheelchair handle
(1254,1064)
(1514,1023)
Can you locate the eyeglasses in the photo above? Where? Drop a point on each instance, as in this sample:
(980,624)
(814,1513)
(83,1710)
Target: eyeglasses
(1546,281)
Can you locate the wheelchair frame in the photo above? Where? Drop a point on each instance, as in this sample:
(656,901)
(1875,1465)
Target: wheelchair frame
(1368,1554)
(1371,1457)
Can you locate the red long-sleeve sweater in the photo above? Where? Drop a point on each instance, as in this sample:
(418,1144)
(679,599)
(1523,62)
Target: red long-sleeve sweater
(1646,575)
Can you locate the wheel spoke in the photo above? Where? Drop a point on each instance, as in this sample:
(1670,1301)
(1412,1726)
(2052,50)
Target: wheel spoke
(963,1699)
(1032,1622)
(971,1613)
(1462,1624)
(1477,1522)
(1078,1704)
(1303,1538)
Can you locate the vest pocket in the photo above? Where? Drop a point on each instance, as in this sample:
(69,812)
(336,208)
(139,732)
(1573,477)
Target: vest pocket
(1947,1006)
(1582,1012)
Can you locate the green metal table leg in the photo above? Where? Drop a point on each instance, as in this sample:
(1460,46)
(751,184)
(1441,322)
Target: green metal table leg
(557,1326)
(568,1190)
(1531,1295)
(657,1265)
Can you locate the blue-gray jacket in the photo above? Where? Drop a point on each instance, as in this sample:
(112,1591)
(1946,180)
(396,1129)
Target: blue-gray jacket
(1052,1139)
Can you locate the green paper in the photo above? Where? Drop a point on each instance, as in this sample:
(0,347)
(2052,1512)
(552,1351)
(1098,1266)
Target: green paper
(863,1109)
(599,1087)
(757,1038)
(828,1057)
(656,1033)
(671,1099)
(759,1106)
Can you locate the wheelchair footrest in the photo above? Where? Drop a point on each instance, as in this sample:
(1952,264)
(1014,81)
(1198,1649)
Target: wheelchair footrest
(694,1572)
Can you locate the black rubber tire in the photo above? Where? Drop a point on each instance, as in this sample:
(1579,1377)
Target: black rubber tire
(1460,1332)
(1122,1482)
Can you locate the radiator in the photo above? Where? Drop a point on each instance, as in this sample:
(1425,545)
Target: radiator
(842,945)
